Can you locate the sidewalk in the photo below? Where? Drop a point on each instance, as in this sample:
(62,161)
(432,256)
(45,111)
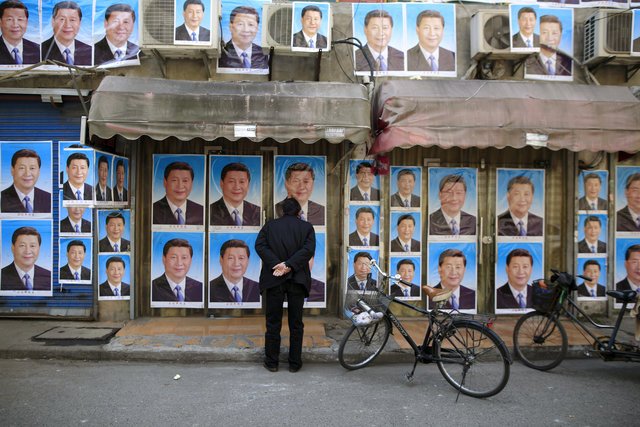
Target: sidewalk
(195,340)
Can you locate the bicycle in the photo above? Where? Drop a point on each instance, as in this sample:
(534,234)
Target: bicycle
(540,339)
(470,356)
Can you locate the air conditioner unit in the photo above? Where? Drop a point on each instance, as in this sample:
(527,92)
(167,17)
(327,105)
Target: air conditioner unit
(491,35)
(607,37)
(158,30)
(277,28)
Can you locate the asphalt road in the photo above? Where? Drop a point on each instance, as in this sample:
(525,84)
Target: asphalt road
(69,393)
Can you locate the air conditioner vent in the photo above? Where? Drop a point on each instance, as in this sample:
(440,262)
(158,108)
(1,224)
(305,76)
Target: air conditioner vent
(279,26)
(158,22)
(607,37)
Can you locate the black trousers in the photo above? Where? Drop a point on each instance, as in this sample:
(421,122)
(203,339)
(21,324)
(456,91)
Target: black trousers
(295,294)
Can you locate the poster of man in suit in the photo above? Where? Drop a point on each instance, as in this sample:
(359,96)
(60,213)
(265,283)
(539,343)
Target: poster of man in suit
(20,28)
(409,269)
(311,26)
(76,258)
(452,201)
(318,292)
(517,265)
(114,230)
(406,229)
(593,192)
(596,269)
(235,187)
(627,266)
(26,257)
(556,37)
(627,199)
(304,178)
(406,187)
(234,270)
(360,275)
(193,22)
(178,191)
(525,31)
(74,220)
(77,164)
(365,182)
(120,183)
(25,179)
(453,266)
(592,233)
(115,34)
(103,169)
(431,33)
(364,225)
(114,277)
(520,202)
(177,269)
(66,30)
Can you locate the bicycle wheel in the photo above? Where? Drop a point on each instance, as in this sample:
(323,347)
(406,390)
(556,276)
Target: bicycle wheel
(361,344)
(540,341)
(473,359)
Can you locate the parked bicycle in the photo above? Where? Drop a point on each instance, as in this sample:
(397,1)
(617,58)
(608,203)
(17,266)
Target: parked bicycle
(470,356)
(540,339)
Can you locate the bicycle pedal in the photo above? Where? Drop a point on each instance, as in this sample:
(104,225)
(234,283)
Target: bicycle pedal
(409,376)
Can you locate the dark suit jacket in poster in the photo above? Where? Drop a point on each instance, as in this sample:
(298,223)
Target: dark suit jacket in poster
(65,273)
(396,246)
(622,285)
(315,212)
(125,195)
(99,194)
(374,194)
(162,213)
(584,248)
(219,214)
(352,283)
(30,53)
(219,292)
(104,290)
(230,59)
(506,227)
(354,239)
(81,56)
(395,59)
(102,52)
(467,299)
(10,280)
(65,226)
(300,41)
(10,201)
(516,41)
(505,299)
(182,33)
(584,292)
(624,220)
(396,291)
(317,291)
(534,66)
(397,200)
(583,205)
(161,290)
(417,62)
(438,225)
(68,194)
(105,246)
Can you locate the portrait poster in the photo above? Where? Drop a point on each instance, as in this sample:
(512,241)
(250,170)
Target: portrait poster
(103,171)
(76,259)
(410,269)
(74,220)
(305,179)
(627,201)
(241,52)
(556,33)
(115,277)
(596,268)
(27,249)
(235,192)
(318,293)
(193,21)
(453,266)
(517,265)
(29,37)
(558,3)
(364,225)
(116,33)
(178,192)
(626,270)
(359,269)
(620,4)
(311,27)
(593,191)
(177,259)
(635,32)
(431,39)
(405,233)
(592,233)
(406,187)
(520,204)
(120,181)
(385,56)
(525,27)
(364,182)
(76,165)
(26,179)
(233,263)
(80,40)
(114,230)
(453,203)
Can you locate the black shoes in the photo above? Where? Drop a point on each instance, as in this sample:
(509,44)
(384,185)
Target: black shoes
(294,368)
(270,368)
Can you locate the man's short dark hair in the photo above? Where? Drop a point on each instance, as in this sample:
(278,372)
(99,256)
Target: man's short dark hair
(592,218)
(235,167)
(520,179)
(196,2)
(177,243)
(299,167)
(452,253)
(180,166)
(25,231)
(429,14)
(66,5)
(361,255)
(405,261)
(365,209)
(362,165)
(234,243)
(115,259)
(521,253)
(591,262)
(120,163)
(291,206)
(114,215)
(631,179)
(527,9)
(244,10)
(630,250)
(404,172)
(76,243)
(25,152)
(120,7)
(310,8)
(592,175)
(377,13)
(77,156)
(11,4)
(103,159)
(551,19)
(406,216)
(453,179)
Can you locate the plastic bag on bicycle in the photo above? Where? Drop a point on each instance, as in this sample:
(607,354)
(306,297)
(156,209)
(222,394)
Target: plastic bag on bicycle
(564,279)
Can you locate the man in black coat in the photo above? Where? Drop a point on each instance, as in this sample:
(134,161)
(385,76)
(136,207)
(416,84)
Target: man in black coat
(23,196)
(232,285)
(174,284)
(119,22)
(23,273)
(175,207)
(63,46)
(74,270)
(285,246)
(14,17)
(232,208)
(74,222)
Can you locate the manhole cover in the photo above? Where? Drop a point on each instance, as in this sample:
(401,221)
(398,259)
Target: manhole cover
(77,334)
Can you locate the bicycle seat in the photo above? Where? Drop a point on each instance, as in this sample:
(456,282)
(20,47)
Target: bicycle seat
(624,296)
(436,295)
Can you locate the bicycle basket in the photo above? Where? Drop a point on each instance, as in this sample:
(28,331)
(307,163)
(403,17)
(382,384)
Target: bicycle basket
(365,307)
(544,296)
